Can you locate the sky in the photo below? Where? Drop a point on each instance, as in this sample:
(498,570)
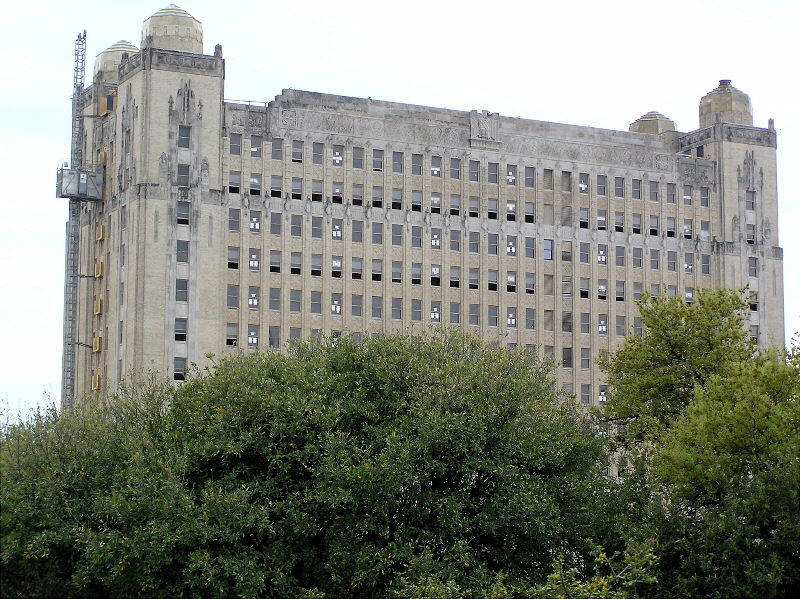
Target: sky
(602,64)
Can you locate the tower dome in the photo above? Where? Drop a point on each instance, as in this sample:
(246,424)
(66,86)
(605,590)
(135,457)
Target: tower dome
(109,59)
(727,102)
(172,28)
(652,122)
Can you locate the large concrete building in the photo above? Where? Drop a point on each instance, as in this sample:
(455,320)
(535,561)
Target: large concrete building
(219,227)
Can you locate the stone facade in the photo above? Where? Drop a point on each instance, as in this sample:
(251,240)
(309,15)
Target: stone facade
(232,227)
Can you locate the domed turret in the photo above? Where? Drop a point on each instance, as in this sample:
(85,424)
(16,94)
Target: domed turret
(652,122)
(108,61)
(172,28)
(727,102)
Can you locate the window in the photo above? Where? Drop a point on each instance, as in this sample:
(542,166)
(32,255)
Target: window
(636,223)
(687,195)
(636,189)
(275,298)
(530,176)
(688,228)
(530,212)
(602,323)
(275,223)
(601,185)
(295,300)
(416,237)
(637,257)
(273,336)
(670,193)
(583,182)
(233,296)
(688,295)
(297,188)
(416,273)
(316,265)
(255,146)
(416,310)
(566,251)
(276,186)
(672,261)
(670,226)
(231,334)
(705,264)
(492,243)
(585,322)
(511,210)
(255,184)
(586,393)
(316,190)
(566,322)
(296,262)
(602,217)
(397,198)
(377,269)
(530,283)
(752,266)
(235,147)
(602,250)
(549,321)
(688,263)
(511,245)
(566,181)
(183,176)
(637,326)
(356,304)
(377,233)
(357,231)
(493,169)
(316,302)
(436,238)
(179,369)
(455,240)
(296,226)
(474,206)
(548,249)
(254,259)
(180,329)
(397,308)
(377,306)
(184,135)
(455,312)
(511,317)
(252,297)
(181,290)
(620,291)
(474,278)
(336,304)
(436,275)
(183,210)
(491,283)
(491,208)
(297,151)
(530,318)
(586,357)
(416,164)
(566,357)
(317,152)
(584,288)
(397,271)
(511,174)
(548,214)
(750,234)
(358,157)
(619,187)
(548,179)
(436,311)
(619,255)
(275,261)
(602,289)
(277,149)
(377,160)
(583,252)
(337,155)
(336,267)
(474,170)
(511,281)
(491,316)
(653,191)
(436,166)
(750,200)
(620,326)
(653,224)
(455,168)
(436,203)
(183,251)
(397,162)
(357,264)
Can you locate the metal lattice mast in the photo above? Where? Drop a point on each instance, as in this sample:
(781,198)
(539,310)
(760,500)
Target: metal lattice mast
(71,279)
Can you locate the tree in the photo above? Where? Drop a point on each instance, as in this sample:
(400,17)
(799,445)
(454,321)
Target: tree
(653,377)
(339,470)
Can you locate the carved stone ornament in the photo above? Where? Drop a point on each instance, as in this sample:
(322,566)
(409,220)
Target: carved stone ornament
(483,130)
(288,117)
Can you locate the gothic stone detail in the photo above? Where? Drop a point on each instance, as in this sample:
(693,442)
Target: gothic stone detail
(483,130)
(749,135)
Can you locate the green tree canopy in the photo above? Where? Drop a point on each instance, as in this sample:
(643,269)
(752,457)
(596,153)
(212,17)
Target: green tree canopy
(652,378)
(339,470)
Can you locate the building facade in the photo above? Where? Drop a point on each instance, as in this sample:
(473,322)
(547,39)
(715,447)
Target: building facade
(227,227)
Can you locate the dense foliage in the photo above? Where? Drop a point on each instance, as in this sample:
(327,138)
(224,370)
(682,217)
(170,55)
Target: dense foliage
(336,471)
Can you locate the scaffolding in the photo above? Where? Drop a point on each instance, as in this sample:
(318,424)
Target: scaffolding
(71,276)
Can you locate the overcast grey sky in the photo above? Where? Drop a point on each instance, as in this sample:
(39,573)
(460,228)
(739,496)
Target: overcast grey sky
(602,64)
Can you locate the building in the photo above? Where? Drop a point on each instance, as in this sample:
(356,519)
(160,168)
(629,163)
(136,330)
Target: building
(217,226)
